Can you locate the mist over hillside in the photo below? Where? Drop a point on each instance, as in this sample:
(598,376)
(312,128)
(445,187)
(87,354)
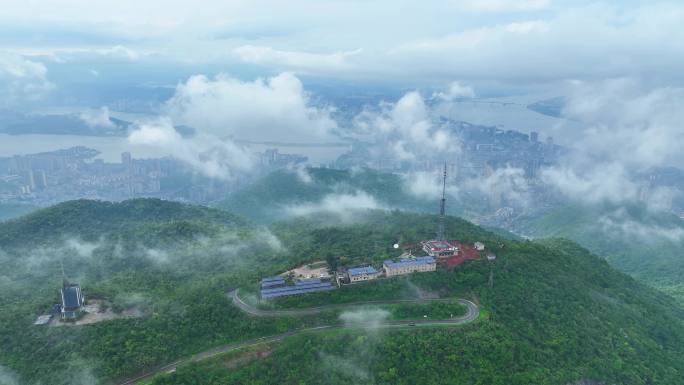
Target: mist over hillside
(174,263)
(384,192)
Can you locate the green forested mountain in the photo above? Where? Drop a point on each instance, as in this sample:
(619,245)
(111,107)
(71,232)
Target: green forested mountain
(552,312)
(647,245)
(266,199)
(92,219)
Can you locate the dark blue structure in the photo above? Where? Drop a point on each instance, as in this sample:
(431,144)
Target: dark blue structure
(300,287)
(272,282)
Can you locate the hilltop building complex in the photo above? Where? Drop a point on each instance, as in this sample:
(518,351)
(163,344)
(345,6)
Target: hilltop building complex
(409,265)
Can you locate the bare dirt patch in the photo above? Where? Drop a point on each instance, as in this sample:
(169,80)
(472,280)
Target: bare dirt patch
(318,269)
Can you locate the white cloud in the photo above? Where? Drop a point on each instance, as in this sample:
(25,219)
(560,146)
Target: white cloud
(120,51)
(428,185)
(273,109)
(629,122)
(206,153)
(613,41)
(501,5)
(22,79)
(367,318)
(82,248)
(301,172)
(8,377)
(344,206)
(395,41)
(619,223)
(298,61)
(454,91)
(626,129)
(606,182)
(504,185)
(157,256)
(97,118)
(524,27)
(404,129)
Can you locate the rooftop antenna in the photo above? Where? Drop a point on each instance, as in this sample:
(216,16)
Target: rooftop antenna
(442,207)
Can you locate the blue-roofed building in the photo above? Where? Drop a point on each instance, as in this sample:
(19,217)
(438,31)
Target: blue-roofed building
(72,301)
(409,265)
(358,274)
(272,282)
(299,287)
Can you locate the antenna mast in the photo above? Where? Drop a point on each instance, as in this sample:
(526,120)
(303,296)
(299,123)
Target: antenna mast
(64,280)
(442,207)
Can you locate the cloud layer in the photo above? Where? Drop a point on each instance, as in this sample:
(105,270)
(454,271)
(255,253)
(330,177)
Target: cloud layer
(406,129)
(205,152)
(273,109)
(21,80)
(344,206)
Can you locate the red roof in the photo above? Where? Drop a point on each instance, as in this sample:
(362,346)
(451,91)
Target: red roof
(467,252)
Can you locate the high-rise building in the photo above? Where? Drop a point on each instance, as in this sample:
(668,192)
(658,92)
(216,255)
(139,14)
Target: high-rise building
(126,158)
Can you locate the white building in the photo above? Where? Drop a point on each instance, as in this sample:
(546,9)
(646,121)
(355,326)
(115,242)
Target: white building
(409,265)
(357,274)
(440,249)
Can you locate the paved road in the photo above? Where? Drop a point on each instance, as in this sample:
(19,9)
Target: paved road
(237,301)
(471,314)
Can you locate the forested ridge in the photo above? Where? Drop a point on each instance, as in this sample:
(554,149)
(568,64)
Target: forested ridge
(647,245)
(637,240)
(266,199)
(555,313)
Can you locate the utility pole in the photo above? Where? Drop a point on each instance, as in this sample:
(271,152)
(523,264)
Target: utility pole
(442,207)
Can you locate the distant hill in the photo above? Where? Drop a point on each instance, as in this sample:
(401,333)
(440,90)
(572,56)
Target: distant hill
(647,245)
(15,123)
(552,107)
(266,199)
(91,220)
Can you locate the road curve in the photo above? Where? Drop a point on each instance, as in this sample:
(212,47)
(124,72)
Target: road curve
(471,315)
(242,305)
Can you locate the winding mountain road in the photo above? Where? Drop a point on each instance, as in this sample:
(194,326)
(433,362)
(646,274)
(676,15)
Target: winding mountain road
(471,315)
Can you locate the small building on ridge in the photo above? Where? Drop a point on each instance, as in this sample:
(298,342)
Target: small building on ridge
(72,301)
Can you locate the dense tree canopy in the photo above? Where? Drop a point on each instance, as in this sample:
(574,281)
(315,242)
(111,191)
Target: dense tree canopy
(553,314)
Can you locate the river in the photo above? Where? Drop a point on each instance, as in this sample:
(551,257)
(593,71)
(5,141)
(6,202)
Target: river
(112,147)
